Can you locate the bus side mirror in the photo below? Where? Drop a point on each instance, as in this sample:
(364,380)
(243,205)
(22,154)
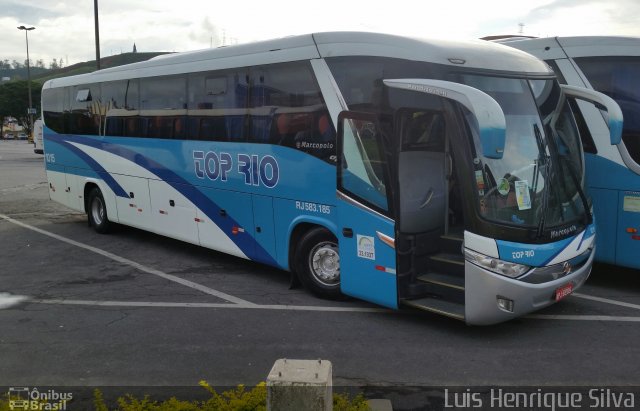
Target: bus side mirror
(601,101)
(486,111)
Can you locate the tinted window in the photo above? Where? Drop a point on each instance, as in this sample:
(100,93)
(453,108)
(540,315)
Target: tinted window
(163,93)
(121,101)
(360,79)
(217,103)
(588,144)
(363,163)
(54,105)
(163,104)
(287,109)
(86,104)
(619,78)
(121,94)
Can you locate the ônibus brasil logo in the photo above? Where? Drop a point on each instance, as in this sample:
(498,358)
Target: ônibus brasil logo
(25,398)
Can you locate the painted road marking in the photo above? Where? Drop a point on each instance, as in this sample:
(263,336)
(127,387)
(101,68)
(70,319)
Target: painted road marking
(606,300)
(211,305)
(243,304)
(305,308)
(133,264)
(8,300)
(583,317)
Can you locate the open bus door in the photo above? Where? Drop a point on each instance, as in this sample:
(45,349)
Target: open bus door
(365,219)
(368,177)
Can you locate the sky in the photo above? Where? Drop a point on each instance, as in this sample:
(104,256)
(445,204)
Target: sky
(65,28)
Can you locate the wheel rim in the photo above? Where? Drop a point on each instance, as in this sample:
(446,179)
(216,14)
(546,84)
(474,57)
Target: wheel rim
(97,210)
(324,263)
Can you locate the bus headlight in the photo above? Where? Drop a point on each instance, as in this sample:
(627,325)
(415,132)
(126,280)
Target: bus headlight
(495,265)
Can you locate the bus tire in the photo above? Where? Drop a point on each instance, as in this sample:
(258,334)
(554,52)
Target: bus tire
(97,211)
(318,263)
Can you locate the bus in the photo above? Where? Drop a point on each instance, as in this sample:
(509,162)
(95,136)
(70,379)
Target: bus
(610,65)
(445,176)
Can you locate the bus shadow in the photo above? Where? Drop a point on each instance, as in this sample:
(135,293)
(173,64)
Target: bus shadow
(614,277)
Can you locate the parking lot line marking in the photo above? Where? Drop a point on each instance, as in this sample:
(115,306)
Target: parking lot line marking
(606,300)
(133,264)
(157,304)
(8,300)
(583,317)
(211,305)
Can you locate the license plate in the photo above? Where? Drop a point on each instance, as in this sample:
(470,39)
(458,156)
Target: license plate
(564,291)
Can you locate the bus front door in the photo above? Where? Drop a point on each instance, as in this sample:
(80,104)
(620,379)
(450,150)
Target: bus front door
(365,223)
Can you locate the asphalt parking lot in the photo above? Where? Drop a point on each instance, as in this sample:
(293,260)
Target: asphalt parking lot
(135,309)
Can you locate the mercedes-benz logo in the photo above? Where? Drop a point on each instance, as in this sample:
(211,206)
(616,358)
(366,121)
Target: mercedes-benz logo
(566,268)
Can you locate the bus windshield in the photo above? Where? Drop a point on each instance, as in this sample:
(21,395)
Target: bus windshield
(539,180)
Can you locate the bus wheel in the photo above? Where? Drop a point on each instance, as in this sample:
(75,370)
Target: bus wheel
(318,263)
(97,212)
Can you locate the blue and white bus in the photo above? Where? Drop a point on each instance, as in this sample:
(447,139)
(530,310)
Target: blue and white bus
(610,65)
(441,175)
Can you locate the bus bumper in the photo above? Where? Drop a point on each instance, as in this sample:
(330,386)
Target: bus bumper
(483,288)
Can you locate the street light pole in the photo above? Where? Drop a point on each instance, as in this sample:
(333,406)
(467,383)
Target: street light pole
(26,31)
(97,30)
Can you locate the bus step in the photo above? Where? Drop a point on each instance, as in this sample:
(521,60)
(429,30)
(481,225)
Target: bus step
(451,243)
(444,280)
(434,305)
(449,263)
(446,286)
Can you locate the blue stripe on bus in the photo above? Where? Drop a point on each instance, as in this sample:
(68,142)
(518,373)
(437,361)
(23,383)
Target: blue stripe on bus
(588,233)
(249,246)
(95,166)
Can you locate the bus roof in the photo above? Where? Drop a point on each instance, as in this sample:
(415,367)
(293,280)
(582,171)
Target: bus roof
(475,54)
(578,46)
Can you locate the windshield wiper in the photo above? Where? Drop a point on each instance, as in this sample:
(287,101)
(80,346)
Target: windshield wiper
(588,217)
(543,160)
(545,196)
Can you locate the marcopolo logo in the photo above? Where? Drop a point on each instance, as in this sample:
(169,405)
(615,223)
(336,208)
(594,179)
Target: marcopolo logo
(25,398)
(564,231)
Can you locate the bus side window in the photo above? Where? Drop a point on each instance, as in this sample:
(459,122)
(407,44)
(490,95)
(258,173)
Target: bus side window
(162,104)
(362,171)
(617,77)
(286,108)
(120,101)
(86,108)
(53,108)
(588,145)
(217,106)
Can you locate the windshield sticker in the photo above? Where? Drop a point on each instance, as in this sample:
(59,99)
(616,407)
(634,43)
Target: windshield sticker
(366,247)
(503,186)
(631,204)
(522,195)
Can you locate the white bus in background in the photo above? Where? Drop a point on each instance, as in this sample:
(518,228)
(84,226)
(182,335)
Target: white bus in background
(610,65)
(38,147)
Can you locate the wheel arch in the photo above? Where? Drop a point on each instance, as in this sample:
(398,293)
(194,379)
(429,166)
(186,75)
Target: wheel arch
(107,195)
(298,228)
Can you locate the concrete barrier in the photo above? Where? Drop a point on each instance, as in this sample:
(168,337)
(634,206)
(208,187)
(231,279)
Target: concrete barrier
(295,385)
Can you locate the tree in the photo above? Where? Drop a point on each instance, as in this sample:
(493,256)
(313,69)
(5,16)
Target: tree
(14,101)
